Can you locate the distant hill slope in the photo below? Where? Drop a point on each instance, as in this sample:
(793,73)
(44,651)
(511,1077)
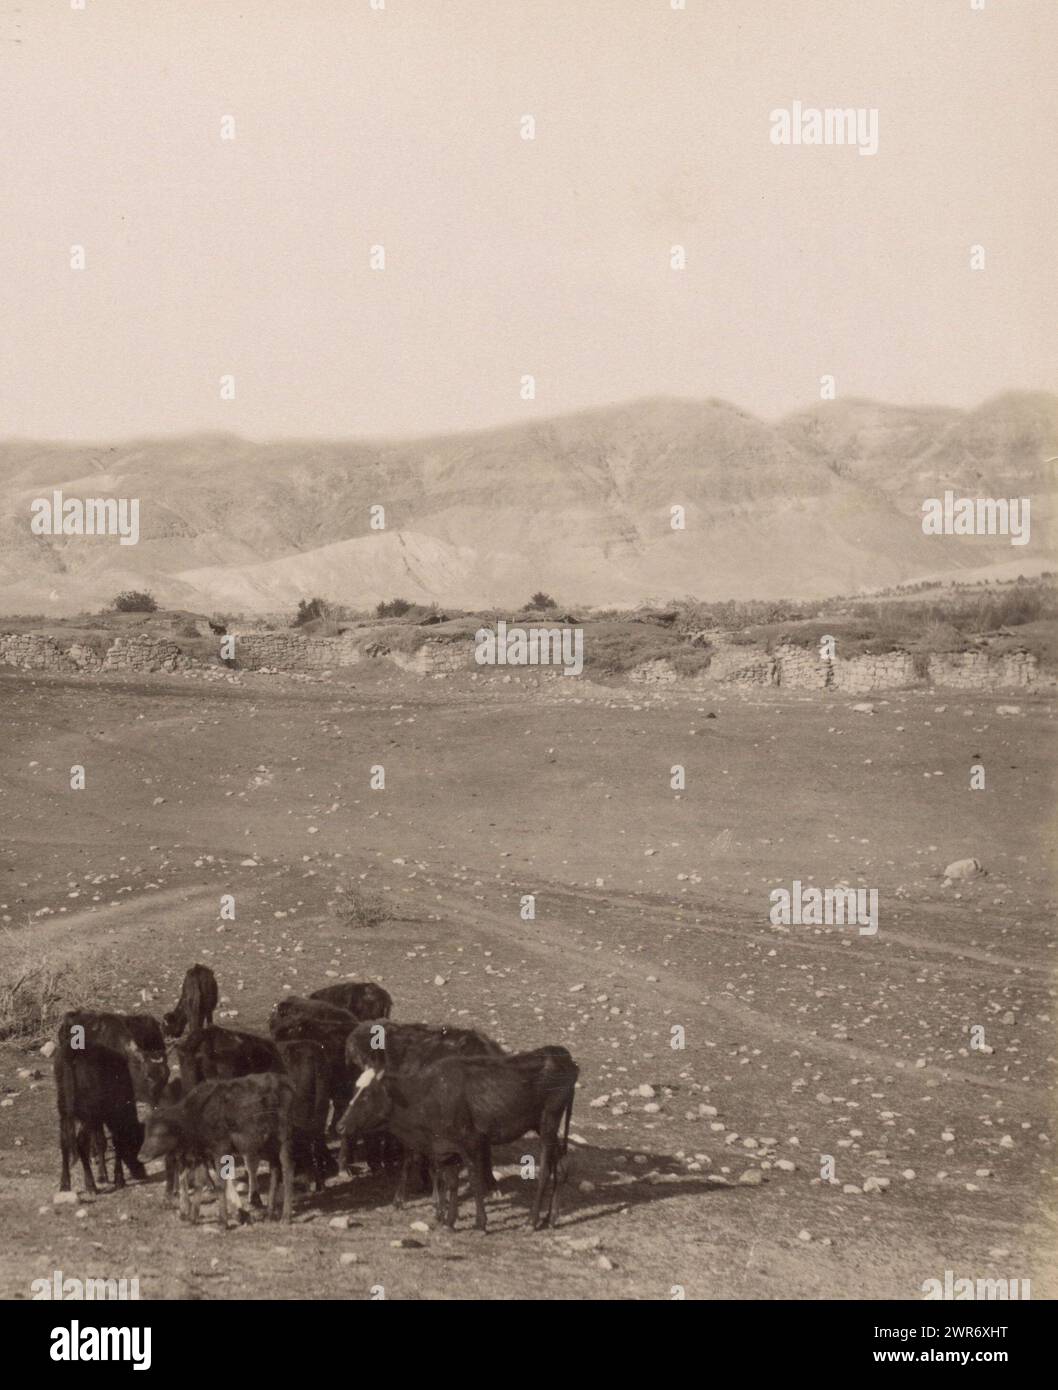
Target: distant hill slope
(826,501)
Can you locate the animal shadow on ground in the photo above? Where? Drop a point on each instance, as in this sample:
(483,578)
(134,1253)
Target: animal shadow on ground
(619,1177)
(618,1180)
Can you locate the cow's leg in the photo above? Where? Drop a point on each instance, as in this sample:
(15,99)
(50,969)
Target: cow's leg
(450,1180)
(319,1161)
(133,1164)
(492,1182)
(555,1204)
(375,1151)
(425,1169)
(543,1172)
(286,1159)
(84,1151)
(196,1199)
(99,1145)
(402,1180)
(273,1186)
(488,1182)
(252,1160)
(339,1105)
(475,1161)
(554,1149)
(184,1197)
(222,1194)
(119,1171)
(67,1146)
(440,1190)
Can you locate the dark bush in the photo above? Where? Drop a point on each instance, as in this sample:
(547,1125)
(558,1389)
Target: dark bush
(395,608)
(135,601)
(309,611)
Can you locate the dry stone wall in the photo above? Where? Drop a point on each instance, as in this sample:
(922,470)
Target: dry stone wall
(434,657)
(749,667)
(978,671)
(34,652)
(143,653)
(801,668)
(291,651)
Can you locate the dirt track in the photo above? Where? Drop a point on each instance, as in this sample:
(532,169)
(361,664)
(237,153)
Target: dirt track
(851,1046)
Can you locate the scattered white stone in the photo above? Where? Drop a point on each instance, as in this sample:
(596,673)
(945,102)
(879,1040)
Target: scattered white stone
(963,868)
(65,1199)
(347,1257)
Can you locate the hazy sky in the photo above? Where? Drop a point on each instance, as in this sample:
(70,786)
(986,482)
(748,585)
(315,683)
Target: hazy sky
(505,256)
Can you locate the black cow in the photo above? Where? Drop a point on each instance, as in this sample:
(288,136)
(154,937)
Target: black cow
(380,1043)
(309,1072)
(247,1117)
(363,1000)
(110,1070)
(198,999)
(222,1053)
(213,1053)
(326,1024)
(403,1047)
(456,1108)
(294,1006)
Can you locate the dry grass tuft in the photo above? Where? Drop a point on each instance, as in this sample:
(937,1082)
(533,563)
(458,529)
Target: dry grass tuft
(356,907)
(37,986)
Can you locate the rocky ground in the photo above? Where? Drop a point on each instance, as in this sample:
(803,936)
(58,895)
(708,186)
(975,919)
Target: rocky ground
(695,1169)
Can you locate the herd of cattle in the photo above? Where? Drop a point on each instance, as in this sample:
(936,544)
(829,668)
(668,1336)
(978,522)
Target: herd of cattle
(414,1094)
